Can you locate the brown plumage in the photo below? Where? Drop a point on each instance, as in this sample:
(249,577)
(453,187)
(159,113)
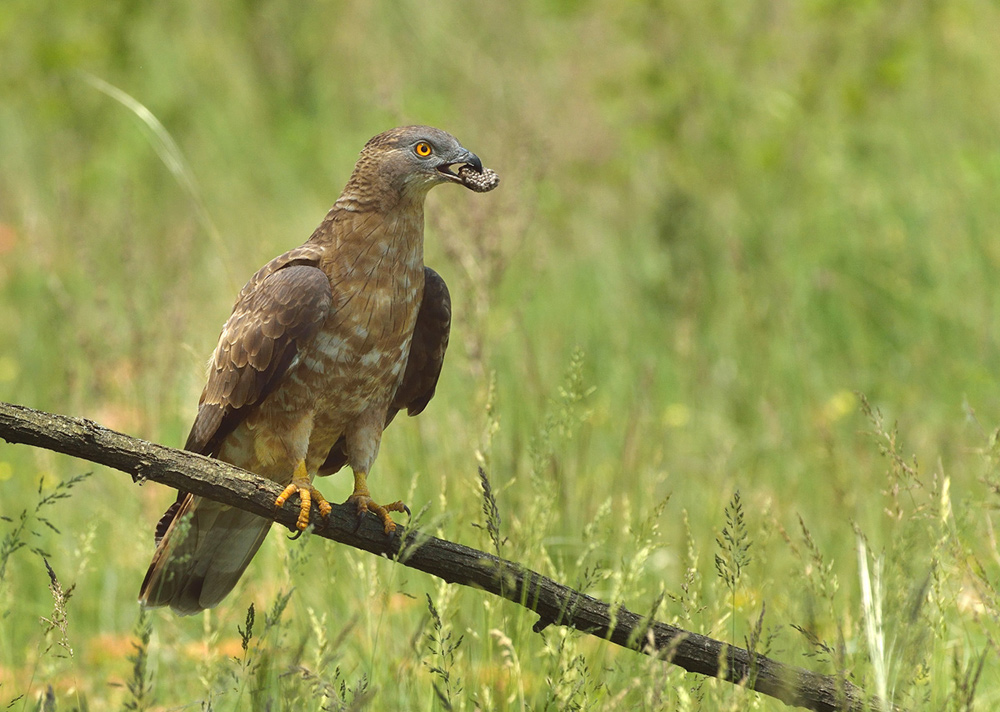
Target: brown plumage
(325,345)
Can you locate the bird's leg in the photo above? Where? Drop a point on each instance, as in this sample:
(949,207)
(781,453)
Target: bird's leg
(363,500)
(307,493)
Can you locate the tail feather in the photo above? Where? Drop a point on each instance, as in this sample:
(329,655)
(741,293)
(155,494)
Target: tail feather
(201,555)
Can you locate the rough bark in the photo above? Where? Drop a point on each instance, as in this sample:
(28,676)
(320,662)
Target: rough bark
(554,603)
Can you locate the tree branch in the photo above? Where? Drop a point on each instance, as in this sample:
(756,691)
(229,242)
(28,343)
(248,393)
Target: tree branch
(555,603)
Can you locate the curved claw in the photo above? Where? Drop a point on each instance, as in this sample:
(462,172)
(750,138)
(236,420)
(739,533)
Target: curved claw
(365,503)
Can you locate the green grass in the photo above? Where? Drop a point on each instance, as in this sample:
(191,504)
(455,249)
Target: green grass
(718,223)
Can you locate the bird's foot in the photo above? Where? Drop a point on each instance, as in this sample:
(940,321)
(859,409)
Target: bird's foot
(365,503)
(362,499)
(307,494)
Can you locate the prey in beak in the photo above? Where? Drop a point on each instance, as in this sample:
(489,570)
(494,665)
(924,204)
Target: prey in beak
(454,169)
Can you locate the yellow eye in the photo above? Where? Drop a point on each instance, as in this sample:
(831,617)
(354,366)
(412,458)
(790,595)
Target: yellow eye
(423,149)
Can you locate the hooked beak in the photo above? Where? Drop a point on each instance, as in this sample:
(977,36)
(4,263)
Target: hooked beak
(463,158)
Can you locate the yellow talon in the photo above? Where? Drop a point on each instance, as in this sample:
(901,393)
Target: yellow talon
(301,484)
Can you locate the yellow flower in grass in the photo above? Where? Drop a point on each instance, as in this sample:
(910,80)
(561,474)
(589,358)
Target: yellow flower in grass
(8,369)
(676,415)
(840,404)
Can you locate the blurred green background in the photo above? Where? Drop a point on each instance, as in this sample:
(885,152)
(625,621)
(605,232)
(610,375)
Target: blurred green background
(718,224)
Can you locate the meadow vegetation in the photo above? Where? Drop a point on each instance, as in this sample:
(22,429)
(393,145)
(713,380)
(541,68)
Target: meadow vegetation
(725,341)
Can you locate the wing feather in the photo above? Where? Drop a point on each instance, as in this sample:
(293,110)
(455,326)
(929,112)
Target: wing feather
(430,341)
(279,311)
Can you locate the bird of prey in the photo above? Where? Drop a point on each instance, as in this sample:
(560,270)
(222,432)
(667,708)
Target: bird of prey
(325,345)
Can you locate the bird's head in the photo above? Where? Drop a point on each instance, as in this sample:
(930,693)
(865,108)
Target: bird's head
(411,160)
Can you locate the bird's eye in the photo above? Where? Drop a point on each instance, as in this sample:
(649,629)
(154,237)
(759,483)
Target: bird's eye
(423,149)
